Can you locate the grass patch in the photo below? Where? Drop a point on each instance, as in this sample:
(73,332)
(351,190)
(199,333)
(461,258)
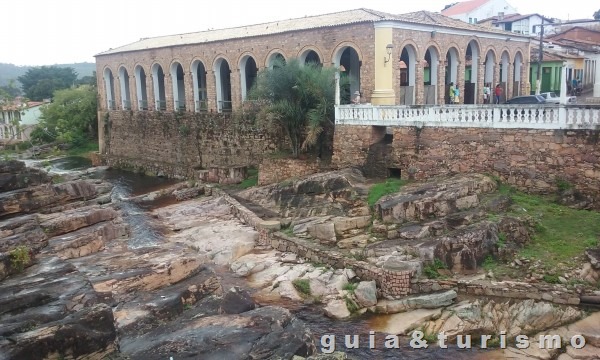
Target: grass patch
(351,304)
(19,257)
(302,285)
(561,233)
(378,191)
(251,180)
(84,149)
(350,287)
(431,270)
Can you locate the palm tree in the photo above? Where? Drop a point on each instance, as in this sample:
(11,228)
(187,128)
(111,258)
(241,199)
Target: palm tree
(299,99)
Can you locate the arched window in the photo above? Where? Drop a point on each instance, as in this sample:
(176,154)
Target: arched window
(109,86)
(140,86)
(125,95)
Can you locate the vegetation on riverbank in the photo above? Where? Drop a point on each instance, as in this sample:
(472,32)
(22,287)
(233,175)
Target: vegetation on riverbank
(560,235)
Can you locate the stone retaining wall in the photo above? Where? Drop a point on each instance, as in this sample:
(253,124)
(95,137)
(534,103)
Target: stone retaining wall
(508,289)
(531,160)
(183,144)
(272,171)
(390,283)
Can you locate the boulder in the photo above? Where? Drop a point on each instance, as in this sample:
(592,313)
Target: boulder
(354,242)
(366,293)
(14,175)
(337,309)
(237,301)
(324,232)
(594,257)
(464,249)
(434,199)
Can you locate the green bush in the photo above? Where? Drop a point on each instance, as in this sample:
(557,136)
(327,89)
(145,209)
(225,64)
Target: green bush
(20,257)
(431,270)
(302,285)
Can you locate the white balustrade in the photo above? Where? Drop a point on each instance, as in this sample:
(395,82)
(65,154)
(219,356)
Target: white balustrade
(497,116)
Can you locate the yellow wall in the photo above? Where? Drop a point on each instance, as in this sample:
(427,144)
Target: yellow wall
(384,72)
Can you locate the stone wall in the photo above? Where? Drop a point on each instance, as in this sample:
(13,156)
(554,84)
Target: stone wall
(273,171)
(390,283)
(182,144)
(532,160)
(508,289)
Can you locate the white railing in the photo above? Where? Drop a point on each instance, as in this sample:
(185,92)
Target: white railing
(493,116)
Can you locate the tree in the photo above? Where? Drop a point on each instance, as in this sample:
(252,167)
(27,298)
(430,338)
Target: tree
(71,117)
(597,15)
(88,80)
(41,82)
(299,99)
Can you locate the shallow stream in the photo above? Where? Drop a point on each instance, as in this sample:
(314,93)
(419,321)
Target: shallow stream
(144,233)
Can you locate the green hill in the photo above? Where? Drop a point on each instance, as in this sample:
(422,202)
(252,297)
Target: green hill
(12,72)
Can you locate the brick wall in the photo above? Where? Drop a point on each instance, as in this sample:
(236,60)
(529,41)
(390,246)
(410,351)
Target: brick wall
(182,144)
(273,171)
(533,160)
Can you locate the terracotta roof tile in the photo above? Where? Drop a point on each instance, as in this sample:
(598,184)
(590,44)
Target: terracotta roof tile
(312,22)
(463,7)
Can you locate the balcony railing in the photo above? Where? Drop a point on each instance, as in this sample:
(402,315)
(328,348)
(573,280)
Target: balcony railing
(201,105)
(126,105)
(497,116)
(179,105)
(225,106)
(161,105)
(142,104)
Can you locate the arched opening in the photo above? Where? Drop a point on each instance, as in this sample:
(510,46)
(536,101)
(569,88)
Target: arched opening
(471,73)
(248,74)
(124,82)
(199,80)
(518,68)
(408,70)
(140,85)
(275,60)
(109,86)
(504,63)
(310,57)
(347,60)
(490,60)
(158,79)
(430,76)
(177,75)
(451,65)
(223,82)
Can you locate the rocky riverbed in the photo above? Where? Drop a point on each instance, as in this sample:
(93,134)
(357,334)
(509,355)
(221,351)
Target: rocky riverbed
(78,280)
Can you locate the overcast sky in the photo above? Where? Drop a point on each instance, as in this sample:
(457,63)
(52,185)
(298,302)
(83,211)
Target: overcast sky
(43,32)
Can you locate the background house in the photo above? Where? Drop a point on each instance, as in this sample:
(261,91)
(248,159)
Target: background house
(18,120)
(474,10)
(517,23)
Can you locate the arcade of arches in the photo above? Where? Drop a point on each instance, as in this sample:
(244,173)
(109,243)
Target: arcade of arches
(218,77)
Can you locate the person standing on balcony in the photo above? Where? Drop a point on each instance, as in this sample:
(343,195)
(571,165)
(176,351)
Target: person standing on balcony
(498,93)
(486,94)
(456,95)
(451,94)
(356,98)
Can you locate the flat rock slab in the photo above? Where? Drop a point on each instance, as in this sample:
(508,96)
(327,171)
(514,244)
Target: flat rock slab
(402,323)
(265,333)
(52,308)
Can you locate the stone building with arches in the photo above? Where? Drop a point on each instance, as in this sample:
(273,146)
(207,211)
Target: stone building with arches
(213,70)
(406,59)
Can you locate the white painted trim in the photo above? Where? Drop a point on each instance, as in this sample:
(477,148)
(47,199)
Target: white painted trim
(444,30)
